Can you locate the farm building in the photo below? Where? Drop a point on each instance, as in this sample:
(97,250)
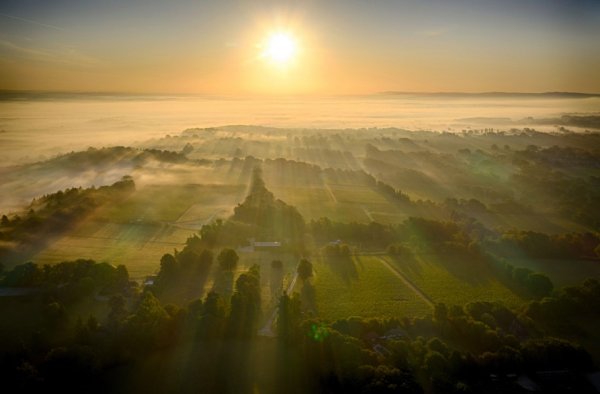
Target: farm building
(260,246)
(266,245)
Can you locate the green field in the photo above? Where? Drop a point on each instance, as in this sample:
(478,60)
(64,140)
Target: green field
(454,284)
(137,246)
(343,203)
(153,221)
(374,292)
(356,193)
(170,203)
(311,202)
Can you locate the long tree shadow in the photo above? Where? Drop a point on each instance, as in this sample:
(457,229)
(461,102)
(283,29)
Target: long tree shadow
(343,266)
(470,268)
(407,264)
(223,284)
(340,260)
(308,297)
(276,276)
(195,286)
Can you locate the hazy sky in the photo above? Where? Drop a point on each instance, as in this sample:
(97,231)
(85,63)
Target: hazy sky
(343,46)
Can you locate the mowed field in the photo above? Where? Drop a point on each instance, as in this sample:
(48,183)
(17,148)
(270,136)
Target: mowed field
(342,203)
(373,292)
(153,221)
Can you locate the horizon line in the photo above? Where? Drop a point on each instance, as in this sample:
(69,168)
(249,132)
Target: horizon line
(33,92)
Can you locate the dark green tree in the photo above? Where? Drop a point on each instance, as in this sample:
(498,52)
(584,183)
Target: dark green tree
(146,326)
(305,269)
(117,312)
(245,304)
(169,268)
(228,259)
(288,318)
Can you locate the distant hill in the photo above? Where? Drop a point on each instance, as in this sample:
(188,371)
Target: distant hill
(494,94)
(42,95)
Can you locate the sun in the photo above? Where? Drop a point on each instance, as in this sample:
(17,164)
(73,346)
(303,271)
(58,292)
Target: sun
(280,48)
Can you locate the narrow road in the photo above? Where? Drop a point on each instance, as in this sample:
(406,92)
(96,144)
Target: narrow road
(123,239)
(333,197)
(184,213)
(366,211)
(407,282)
(267,330)
(194,224)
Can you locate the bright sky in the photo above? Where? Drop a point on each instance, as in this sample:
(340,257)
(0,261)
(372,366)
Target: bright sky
(309,46)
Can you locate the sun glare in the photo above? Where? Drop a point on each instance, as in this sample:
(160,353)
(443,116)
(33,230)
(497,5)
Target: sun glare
(279,48)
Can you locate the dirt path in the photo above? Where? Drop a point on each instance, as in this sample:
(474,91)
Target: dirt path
(366,211)
(184,213)
(195,224)
(407,282)
(124,239)
(333,197)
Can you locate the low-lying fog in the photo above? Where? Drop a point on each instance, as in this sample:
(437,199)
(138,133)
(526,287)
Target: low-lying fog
(34,129)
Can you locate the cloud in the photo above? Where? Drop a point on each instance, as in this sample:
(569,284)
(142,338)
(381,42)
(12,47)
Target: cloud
(63,55)
(31,21)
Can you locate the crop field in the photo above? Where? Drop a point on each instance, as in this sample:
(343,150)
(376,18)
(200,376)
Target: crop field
(152,222)
(311,202)
(169,203)
(453,284)
(356,193)
(315,203)
(374,292)
(341,203)
(137,246)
